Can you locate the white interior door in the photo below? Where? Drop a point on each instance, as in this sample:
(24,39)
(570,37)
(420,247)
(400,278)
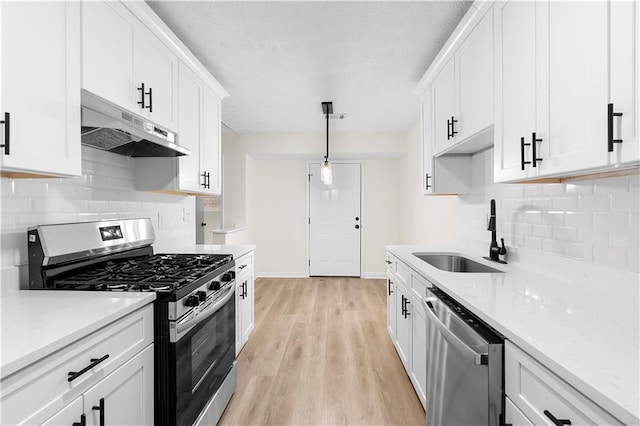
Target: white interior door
(335,221)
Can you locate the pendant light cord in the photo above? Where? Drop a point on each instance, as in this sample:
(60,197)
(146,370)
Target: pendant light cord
(326,158)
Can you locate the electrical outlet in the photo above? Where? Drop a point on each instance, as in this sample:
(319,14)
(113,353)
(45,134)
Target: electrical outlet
(186,215)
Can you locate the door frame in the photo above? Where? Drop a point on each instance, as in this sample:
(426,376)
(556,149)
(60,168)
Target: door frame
(308,210)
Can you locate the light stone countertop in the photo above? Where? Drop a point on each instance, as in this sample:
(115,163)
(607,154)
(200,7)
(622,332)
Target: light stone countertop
(36,323)
(585,328)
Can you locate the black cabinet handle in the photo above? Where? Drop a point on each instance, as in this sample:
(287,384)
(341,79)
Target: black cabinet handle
(389,282)
(246,284)
(556,421)
(534,144)
(242,267)
(203,224)
(388,262)
(208,180)
(94,361)
(7,132)
(406,309)
(142,95)
(204,179)
(101,409)
(83,421)
(448,129)
(522,145)
(403,308)
(427,181)
(150,93)
(610,115)
(357,218)
(357,226)
(453,122)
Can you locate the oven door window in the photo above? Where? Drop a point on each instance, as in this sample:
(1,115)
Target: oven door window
(204,356)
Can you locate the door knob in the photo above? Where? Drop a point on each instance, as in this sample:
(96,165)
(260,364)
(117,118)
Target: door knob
(357,226)
(357,218)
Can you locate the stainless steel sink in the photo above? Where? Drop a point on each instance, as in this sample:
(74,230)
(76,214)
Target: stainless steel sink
(453,262)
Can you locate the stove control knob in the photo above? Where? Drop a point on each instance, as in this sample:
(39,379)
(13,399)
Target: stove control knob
(192,300)
(228,276)
(202,296)
(215,286)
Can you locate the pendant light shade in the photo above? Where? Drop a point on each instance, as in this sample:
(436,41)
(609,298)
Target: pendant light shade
(326,175)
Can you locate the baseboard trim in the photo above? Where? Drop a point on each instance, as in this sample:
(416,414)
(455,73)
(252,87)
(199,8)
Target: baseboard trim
(282,275)
(374,275)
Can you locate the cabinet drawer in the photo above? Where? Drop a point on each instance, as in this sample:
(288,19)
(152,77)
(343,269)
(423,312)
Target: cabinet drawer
(42,389)
(244,262)
(419,286)
(534,389)
(514,416)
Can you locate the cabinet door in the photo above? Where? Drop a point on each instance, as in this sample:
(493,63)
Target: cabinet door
(157,67)
(189,111)
(427,144)
(515,86)
(40,87)
(443,92)
(127,394)
(391,306)
(210,160)
(69,415)
(403,328)
(247,307)
(577,61)
(624,55)
(474,73)
(107,53)
(419,351)
(513,416)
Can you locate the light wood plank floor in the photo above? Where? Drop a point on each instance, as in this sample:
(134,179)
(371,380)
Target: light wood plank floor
(320,354)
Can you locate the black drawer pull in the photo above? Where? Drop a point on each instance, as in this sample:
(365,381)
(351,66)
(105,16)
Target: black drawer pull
(427,181)
(406,309)
(453,122)
(242,267)
(610,115)
(522,145)
(534,145)
(150,93)
(7,132)
(101,409)
(557,422)
(388,262)
(94,361)
(83,421)
(142,95)
(389,282)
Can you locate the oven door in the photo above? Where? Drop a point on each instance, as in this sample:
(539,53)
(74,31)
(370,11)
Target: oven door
(204,350)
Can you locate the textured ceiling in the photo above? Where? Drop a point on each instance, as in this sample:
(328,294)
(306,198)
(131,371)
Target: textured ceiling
(280,60)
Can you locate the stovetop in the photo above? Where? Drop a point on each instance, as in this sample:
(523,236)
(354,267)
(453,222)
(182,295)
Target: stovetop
(159,272)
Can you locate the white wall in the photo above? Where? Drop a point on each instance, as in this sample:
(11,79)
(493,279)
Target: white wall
(265,190)
(104,191)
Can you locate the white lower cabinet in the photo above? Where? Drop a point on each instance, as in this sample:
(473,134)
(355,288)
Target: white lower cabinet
(513,416)
(113,369)
(244,300)
(406,323)
(540,396)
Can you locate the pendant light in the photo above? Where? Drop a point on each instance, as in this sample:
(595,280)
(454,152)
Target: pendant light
(326,176)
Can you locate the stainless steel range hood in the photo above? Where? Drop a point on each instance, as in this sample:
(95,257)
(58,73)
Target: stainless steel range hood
(111,128)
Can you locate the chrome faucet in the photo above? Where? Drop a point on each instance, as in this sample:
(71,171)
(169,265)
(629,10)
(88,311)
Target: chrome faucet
(495,251)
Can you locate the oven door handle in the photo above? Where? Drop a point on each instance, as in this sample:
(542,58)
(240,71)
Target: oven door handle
(190,322)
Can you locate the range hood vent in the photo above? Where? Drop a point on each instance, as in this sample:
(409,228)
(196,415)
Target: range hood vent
(110,128)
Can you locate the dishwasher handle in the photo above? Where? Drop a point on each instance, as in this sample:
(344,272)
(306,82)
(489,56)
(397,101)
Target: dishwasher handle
(479,358)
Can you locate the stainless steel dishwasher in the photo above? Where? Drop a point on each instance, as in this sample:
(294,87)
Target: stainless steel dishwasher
(465,383)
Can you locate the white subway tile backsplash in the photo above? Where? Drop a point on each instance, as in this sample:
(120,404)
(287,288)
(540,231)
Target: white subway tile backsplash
(598,202)
(595,221)
(106,190)
(608,256)
(625,201)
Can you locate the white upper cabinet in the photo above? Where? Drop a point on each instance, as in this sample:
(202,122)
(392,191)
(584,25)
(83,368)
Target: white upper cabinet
(445,174)
(123,62)
(558,67)
(624,55)
(474,74)
(199,131)
(515,88)
(444,108)
(40,102)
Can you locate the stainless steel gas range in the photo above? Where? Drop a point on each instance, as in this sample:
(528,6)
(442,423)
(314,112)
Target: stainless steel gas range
(194,311)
